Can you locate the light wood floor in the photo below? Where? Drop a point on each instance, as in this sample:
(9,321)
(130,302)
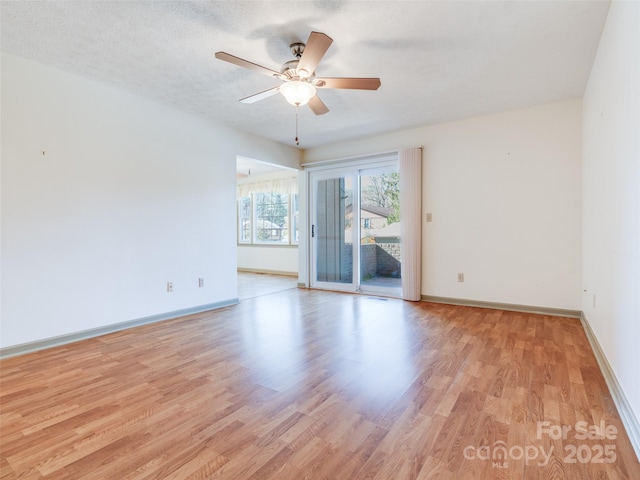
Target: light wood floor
(252,285)
(307,384)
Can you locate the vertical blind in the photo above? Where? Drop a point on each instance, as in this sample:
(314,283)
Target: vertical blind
(410,160)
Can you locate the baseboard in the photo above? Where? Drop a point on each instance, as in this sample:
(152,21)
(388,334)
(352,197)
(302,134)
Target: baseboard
(627,416)
(557,312)
(302,285)
(23,348)
(269,272)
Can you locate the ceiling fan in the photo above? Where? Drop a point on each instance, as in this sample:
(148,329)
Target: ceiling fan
(300,82)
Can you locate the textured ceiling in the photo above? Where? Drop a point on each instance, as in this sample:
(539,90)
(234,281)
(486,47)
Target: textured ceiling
(438,61)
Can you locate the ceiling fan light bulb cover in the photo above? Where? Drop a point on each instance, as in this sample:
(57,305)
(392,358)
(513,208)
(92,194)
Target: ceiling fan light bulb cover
(297,93)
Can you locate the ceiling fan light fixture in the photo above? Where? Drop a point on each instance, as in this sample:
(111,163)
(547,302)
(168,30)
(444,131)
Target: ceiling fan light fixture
(297,93)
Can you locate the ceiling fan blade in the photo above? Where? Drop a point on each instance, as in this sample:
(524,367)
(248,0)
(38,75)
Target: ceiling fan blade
(317,106)
(348,83)
(314,50)
(261,95)
(227,57)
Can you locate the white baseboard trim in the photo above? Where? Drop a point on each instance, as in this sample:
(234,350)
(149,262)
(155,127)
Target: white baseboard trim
(23,348)
(627,416)
(558,312)
(269,272)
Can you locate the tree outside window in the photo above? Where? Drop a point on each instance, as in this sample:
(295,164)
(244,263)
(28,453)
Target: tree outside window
(384,191)
(271,214)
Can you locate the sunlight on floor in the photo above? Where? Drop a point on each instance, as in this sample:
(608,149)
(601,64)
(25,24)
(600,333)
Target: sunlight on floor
(252,285)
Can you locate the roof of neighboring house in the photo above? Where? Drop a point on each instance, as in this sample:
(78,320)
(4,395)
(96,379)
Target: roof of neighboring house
(267,224)
(382,211)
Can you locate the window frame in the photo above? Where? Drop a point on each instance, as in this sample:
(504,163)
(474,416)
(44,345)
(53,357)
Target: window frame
(292,223)
(239,219)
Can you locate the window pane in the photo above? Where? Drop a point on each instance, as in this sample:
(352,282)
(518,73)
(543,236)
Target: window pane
(334,230)
(244,220)
(272,212)
(380,247)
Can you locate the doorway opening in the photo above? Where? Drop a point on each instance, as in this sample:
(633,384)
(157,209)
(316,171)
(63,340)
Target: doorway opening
(267,227)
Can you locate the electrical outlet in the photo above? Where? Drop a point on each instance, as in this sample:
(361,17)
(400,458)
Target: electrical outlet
(461,277)
(169,287)
(429,217)
(594,301)
(200,282)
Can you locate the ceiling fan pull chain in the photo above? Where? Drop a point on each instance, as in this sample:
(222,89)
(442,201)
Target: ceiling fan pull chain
(297,141)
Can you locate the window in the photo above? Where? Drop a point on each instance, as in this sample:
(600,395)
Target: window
(268,217)
(294,219)
(272,217)
(244,220)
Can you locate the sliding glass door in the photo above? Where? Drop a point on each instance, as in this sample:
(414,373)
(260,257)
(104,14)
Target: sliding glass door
(355,230)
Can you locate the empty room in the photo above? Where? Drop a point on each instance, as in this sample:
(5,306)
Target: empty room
(320,239)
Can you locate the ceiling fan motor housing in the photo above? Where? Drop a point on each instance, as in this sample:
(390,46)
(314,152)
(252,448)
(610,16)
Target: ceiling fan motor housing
(290,68)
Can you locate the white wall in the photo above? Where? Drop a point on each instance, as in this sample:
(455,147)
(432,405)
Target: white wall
(504,191)
(611,196)
(268,258)
(130,194)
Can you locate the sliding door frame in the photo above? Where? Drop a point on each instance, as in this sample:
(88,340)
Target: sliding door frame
(334,169)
